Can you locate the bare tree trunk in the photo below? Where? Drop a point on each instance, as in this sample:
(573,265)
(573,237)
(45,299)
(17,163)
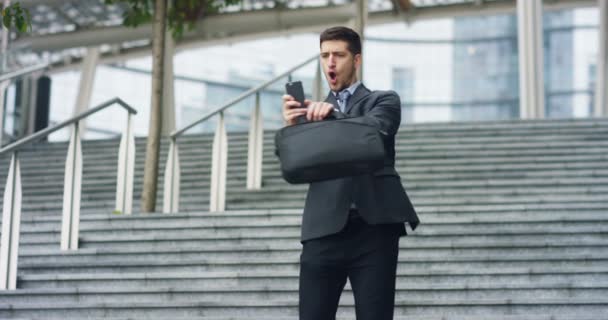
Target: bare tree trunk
(148,196)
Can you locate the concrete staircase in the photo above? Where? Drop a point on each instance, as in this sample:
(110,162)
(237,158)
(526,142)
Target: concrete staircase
(514,225)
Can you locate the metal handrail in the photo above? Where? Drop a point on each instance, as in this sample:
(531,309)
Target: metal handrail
(24,71)
(242,97)
(220,146)
(72,186)
(47,131)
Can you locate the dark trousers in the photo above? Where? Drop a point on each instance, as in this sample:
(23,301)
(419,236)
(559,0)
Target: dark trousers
(366,255)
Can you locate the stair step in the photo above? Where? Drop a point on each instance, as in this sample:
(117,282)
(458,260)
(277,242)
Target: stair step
(597,306)
(277,261)
(493,277)
(514,226)
(290,291)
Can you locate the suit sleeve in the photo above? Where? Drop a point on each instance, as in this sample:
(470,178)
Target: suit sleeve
(385,114)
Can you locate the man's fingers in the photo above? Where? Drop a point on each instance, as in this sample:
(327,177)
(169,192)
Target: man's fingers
(315,112)
(296,111)
(292,114)
(292,104)
(322,111)
(326,111)
(310,111)
(293,117)
(319,113)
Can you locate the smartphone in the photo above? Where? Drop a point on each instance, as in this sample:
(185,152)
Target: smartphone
(296,90)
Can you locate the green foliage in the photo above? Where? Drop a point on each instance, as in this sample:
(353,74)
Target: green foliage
(14,15)
(182,15)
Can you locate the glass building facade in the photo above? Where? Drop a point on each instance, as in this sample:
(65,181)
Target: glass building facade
(459,69)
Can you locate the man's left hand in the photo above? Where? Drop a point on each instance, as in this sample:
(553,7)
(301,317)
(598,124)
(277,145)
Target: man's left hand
(318,111)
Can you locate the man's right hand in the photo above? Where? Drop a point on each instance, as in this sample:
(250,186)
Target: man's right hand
(292,110)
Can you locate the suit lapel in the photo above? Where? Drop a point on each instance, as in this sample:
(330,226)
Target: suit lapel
(359,94)
(331,99)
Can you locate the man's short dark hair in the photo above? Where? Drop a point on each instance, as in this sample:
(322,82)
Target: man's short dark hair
(345,34)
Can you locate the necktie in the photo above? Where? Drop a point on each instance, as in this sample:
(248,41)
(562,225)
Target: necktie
(343,99)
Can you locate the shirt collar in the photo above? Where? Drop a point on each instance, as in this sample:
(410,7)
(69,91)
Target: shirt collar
(351,89)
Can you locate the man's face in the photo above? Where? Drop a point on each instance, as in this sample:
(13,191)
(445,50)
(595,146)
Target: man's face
(339,64)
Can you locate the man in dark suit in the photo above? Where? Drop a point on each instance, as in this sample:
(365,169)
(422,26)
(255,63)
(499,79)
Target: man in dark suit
(351,226)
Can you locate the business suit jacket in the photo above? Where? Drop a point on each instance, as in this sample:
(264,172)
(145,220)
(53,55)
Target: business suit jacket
(379,197)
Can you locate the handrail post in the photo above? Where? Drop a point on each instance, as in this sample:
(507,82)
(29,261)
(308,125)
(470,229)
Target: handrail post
(219,164)
(71,192)
(219,167)
(126,169)
(72,183)
(256,147)
(11,223)
(317,84)
(172,179)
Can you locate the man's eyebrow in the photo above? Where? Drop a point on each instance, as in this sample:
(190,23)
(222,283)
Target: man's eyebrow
(337,51)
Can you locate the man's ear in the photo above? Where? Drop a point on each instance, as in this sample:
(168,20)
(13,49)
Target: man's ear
(358,60)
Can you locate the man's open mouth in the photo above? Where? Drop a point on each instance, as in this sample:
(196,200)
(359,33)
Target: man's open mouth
(332,76)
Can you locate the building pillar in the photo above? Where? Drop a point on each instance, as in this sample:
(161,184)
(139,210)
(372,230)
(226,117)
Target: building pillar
(601,94)
(43,103)
(85,88)
(22,111)
(359,24)
(531,77)
(25,105)
(3,99)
